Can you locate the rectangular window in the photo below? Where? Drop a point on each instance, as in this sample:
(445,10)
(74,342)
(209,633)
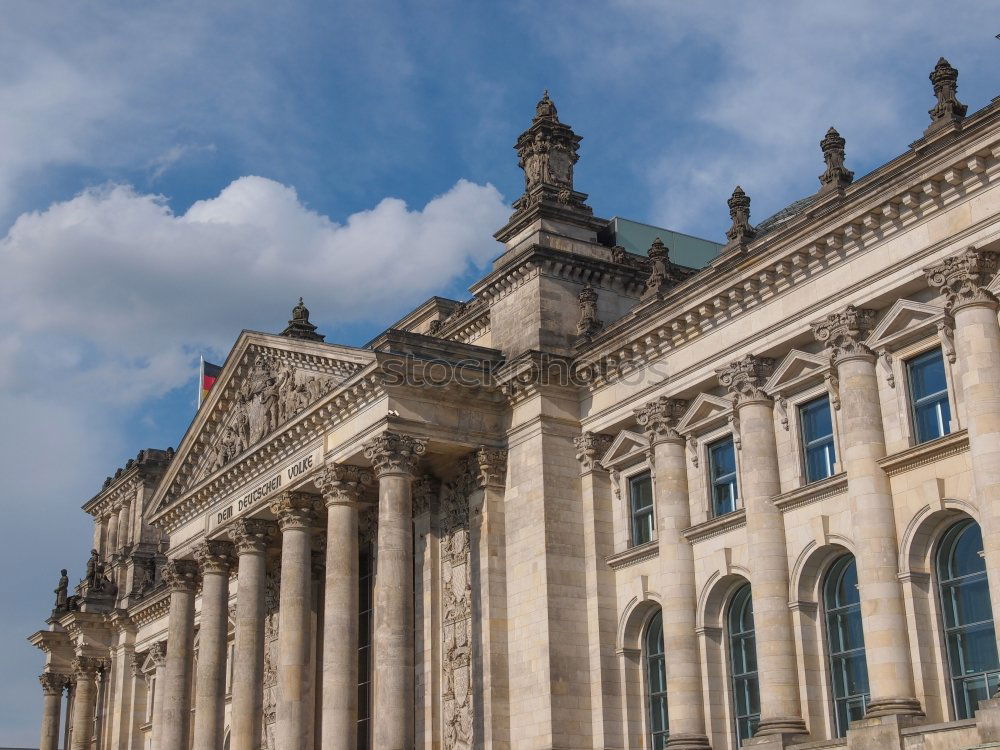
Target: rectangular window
(640,492)
(722,470)
(817,438)
(929,396)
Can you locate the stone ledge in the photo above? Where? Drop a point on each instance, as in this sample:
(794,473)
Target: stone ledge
(634,555)
(715,526)
(926,453)
(811,493)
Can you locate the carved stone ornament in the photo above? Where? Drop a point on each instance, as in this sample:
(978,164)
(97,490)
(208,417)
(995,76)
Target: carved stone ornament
(491,466)
(589,324)
(62,592)
(739,211)
(252,535)
(368,527)
(844,333)
(299,326)
(158,653)
(962,278)
(948,108)
(659,275)
(745,379)
(88,666)
(295,510)
(393,453)
(342,484)
(52,683)
(181,575)
(590,447)
(836,174)
(215,556)
(659,418)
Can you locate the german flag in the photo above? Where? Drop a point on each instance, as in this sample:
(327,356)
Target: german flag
(209,374)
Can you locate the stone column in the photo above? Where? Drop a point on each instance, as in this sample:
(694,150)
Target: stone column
(215,558)
(99,530)
(962,279)
(394,458)
(296,512)
(685,699)
(111,545)
(341,486)
(887,650)
(252,536)
(137,710)
(123,524)
(780,704)
(52,689)
(182,578)
(158,653)
(85,701)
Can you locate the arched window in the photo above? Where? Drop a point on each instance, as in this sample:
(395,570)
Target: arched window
(845,643)
(743,657)
(656,681)
(968,617)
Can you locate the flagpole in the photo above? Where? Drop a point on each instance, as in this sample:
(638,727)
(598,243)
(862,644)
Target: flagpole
(201,377)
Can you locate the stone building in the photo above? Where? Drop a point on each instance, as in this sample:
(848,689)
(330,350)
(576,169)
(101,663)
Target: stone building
(611,501)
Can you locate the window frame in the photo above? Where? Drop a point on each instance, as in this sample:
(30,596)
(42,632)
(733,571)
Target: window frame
(798,405)
(708,443)
(628,481)
(731,666)
(828,646)
(906,360)
(648,695)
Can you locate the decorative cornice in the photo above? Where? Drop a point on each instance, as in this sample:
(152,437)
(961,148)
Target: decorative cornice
(634,555)
(253,535)
(811,493)
(342,484)
(717,526)
(590,447)
(394,453)
(659,419)
(745,379)
(925,453)
(215,556)
(150,608)
(963,278)
(182,575)
(844,333)
(295,510)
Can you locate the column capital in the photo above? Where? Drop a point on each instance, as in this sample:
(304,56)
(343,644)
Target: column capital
(252,535)
(158,653)
(844,333)
(590,447)
(659,419)
(215,556)
(295,510)
(394,453)
(745,379)
(53,683)
(962,278)
(491,464)
(87,667)
(342,484)
(181,575)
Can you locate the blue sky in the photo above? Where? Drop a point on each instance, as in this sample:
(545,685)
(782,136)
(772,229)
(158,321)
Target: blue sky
(174,172)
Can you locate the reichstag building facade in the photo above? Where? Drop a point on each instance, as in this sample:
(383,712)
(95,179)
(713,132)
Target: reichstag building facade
(639,491)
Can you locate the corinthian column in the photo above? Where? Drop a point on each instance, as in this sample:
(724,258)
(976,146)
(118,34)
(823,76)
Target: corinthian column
(215,557)
(252,536)
(85,700)
(394,458)
(780,706)
(182,579)
(962,279)
(685,701)
(52,688)
(341,486)
(296,512)
(887,650)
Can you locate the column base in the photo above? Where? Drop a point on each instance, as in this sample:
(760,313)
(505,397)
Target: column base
(988,720)
(688,742)
(880,732)
(791,727)
(893,707)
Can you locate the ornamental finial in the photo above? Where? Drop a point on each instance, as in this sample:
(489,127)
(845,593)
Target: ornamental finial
(589,324)
(299,326)
(739,211)
(836,175)
(948,108)
(659,276)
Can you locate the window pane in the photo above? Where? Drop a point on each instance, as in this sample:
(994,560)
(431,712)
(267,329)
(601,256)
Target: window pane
(641,501)
(929,395)
(722,470)
(656,682)
(743,659)
(845,642)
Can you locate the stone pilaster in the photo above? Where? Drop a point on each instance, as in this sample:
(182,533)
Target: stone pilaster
(124,527)
(296,513)
(394,459)
(962,279)
(111,546)
(215,558)
(890,672)
(52,689)
(780,704)
(85,669)
(677,581)
(158,653)
(252,537)
(341,486)
(182,579)
(137,708)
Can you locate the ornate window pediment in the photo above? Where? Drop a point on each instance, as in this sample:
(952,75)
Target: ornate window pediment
(798,370)
(626,449)
(705,413)
(905,322)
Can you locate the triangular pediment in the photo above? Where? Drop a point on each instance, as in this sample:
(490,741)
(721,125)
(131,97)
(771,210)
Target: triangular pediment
(625,449)
(704,413)
(797,370)
(906,321)
(266,382)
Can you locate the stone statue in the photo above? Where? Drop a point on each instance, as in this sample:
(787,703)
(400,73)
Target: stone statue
(62,591)
(95,570)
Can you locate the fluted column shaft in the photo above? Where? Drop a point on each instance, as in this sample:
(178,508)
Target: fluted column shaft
(780,704)
(182,578)
(84,702)
(215,559)
(341,486)
(52,689)
(296,512)
(685,699)
(158,653)
(394,458)
(887,652)
(251,537)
